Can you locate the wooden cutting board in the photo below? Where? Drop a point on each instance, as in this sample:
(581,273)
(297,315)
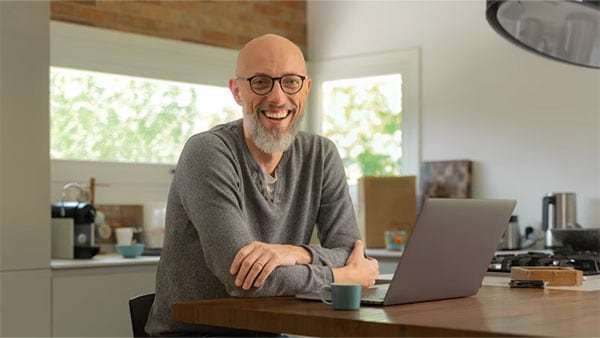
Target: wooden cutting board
(121,215)
(555,276)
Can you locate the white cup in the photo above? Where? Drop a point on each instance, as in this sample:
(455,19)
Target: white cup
(154,224)
(124,235)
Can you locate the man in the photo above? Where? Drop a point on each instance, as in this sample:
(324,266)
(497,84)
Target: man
(247,195)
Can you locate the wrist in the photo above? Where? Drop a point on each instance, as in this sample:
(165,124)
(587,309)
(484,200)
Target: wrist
(339,274)
(303,256)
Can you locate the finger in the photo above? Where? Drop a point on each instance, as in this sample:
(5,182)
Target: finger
(254,271)
(358,246)
(243,271)
(357,252)
(266,271)
(239,258)
(246,268)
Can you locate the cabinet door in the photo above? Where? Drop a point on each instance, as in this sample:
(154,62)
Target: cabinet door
(94,302)
(25,307)
(24,127)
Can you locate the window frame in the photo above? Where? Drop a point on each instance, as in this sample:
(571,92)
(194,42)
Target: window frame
(406,63)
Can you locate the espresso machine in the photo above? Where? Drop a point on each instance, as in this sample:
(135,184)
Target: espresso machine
(559,211)
(73,228)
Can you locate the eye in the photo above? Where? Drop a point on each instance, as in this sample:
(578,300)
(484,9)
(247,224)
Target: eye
(292,81)
(261,82)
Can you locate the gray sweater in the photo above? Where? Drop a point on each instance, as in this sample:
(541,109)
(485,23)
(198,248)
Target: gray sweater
(216,206)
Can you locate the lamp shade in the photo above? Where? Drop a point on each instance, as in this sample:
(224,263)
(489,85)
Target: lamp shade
(565,30)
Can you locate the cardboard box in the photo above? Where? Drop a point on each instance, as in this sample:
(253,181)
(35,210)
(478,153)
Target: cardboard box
(385,203)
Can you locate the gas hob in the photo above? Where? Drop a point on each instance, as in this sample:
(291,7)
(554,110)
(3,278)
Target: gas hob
(586,261)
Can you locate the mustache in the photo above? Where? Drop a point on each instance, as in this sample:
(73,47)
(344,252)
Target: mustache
(285,106)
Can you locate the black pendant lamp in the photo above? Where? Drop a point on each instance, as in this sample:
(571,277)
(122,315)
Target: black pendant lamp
(567,30)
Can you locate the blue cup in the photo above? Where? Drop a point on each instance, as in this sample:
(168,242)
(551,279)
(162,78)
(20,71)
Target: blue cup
(395,240)
(342,296)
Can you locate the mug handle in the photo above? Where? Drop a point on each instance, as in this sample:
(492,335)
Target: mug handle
(325,288)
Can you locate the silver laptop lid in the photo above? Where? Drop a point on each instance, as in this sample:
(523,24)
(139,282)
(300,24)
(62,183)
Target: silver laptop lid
(449,249)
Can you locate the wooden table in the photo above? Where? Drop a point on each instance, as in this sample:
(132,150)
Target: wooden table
(494,311)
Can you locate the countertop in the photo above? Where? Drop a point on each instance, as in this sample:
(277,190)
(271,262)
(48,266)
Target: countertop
(108,260)
(114,259)
(117,260)
(379,253)
(384,253)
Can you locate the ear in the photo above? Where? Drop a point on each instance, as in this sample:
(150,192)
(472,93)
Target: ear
(308,84)
(235,91)
(306,88)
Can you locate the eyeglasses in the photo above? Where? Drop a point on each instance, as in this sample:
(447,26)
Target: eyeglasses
(263,84)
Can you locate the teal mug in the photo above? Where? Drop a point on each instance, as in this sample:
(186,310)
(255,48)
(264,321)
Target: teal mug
(342,296)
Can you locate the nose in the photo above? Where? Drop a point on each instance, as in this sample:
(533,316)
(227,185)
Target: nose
(277,94)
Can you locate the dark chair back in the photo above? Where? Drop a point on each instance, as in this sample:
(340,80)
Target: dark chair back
(139,308)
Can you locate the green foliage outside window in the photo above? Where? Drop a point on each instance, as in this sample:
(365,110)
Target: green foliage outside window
(359,119)
(104,117)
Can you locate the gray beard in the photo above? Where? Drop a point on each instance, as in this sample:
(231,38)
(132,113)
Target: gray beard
(271,141)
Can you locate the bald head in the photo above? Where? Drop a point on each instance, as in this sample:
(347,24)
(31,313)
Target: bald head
(270,54)
(271,118)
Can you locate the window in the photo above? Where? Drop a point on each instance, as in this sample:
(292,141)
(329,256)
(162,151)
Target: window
(369,106)
(363,117)
(120,118)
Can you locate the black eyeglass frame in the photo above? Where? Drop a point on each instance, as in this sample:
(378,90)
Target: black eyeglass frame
(273,79)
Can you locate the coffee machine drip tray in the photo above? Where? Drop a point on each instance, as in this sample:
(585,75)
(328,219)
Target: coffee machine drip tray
(85,252)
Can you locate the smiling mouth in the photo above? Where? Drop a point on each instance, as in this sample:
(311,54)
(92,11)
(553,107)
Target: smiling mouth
(276,114)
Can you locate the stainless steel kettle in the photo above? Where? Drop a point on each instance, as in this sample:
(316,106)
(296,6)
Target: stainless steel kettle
(511,240)
(564,214)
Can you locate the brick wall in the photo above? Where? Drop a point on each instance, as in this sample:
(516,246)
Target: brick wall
(228,24)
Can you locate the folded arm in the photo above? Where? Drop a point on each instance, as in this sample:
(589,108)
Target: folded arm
(256,261)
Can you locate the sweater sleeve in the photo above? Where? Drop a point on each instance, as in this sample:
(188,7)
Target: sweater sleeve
(336,224)
(208,181)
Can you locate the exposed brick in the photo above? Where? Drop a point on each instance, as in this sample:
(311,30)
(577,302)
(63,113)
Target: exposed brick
(267,8)
(91,15)
(228,24)
(60,9)
(83,2)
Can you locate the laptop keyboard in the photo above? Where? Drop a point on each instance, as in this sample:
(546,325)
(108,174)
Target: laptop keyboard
(374,294)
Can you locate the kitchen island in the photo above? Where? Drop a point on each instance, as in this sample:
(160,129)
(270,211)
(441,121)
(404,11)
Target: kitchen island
(493,311)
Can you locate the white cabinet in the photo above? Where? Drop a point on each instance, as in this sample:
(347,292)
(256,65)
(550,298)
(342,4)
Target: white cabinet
(94,301)
(24,169)
(24,136)
(25,303)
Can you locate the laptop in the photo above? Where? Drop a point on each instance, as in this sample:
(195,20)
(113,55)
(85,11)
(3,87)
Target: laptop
(447,254)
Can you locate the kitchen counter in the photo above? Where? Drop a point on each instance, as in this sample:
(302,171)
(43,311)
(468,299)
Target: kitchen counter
(384,253)
(108,260)
(388,259)
(377,253)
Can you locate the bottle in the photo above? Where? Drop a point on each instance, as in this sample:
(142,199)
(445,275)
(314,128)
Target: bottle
(512,236)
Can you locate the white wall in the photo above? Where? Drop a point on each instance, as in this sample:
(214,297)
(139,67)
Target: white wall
(530,124)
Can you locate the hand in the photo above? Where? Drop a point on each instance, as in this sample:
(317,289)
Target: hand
(255,262)
(358,268)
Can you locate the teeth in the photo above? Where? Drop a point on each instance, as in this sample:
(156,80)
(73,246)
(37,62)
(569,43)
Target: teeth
(276,114)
